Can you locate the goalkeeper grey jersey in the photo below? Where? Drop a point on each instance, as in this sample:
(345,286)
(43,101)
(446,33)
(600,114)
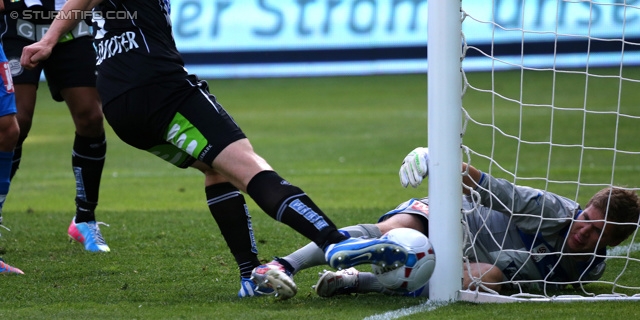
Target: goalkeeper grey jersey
(523,230)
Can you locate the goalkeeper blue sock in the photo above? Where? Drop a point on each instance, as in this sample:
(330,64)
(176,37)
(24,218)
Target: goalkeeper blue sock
(5,181)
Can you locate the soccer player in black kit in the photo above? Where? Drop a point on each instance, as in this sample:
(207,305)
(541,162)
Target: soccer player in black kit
(70,75)
(153,104)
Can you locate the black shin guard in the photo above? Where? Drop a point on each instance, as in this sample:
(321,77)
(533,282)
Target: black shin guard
(228,208)
(17,157)
(291,206)
(87,161)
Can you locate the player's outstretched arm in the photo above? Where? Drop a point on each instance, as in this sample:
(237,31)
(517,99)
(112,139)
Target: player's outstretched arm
(41,50)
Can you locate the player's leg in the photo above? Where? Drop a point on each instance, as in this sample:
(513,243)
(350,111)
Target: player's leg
(401,217)
(340,282)
(350,280)
(191,126)
(203,129)
(229,209)
(311,255)
(128,115)
(290,205)
(87,161)
(89,148)
(402,221)
(25,86)
(70,73)
(9,133)
(25,103)
(417,217)
(409,214)
(232,155)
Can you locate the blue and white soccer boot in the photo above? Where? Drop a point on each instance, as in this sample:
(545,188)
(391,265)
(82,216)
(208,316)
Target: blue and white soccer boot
(249,289)
(355,251)
(274,278)
(88,233)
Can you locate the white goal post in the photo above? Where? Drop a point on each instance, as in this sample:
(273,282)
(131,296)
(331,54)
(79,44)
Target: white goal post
(554,104)
(444,127)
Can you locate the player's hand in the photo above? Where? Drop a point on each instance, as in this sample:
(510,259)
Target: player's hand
(415,167)
(34,53)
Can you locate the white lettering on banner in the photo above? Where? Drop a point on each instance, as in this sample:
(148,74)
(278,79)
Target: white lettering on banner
(108,48)
(251,24)
(229,26)
(236,25)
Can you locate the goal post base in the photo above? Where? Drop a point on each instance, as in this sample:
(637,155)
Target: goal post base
(483,297)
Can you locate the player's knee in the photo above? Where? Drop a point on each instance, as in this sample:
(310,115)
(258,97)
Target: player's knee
(401,220)
(89,124)
(361,230)
(211,176)
(9,136)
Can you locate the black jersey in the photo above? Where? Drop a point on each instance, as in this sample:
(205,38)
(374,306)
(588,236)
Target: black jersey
(134,46)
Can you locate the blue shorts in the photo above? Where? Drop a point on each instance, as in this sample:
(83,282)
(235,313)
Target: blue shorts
(7,95)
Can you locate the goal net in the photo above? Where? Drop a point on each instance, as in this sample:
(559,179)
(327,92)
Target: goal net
(549,97)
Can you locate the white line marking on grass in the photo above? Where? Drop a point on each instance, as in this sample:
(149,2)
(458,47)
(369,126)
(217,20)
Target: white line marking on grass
(395,314)
(622,250)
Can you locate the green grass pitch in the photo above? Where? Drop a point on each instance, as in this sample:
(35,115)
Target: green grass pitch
(341,139)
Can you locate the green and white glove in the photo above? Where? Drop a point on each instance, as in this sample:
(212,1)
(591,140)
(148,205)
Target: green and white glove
(415,167)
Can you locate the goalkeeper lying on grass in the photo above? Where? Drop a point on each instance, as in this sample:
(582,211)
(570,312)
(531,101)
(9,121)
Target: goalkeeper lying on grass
(544,236)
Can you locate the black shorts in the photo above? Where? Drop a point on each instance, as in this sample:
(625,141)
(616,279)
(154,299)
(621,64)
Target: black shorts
(71,64)
(178,122)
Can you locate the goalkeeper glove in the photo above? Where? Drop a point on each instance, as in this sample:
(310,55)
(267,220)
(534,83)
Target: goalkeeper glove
(415,167)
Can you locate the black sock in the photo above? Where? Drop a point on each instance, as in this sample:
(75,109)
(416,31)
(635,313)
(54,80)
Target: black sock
(17,156)
(229,209)
(291,206)
(87,161)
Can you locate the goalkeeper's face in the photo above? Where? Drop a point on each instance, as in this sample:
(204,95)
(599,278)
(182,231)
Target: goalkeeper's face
(588,232)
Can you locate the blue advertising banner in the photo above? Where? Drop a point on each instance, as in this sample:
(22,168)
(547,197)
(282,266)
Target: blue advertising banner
(259,38)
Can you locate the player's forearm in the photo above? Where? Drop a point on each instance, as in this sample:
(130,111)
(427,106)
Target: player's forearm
(66,21)
(472,178)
